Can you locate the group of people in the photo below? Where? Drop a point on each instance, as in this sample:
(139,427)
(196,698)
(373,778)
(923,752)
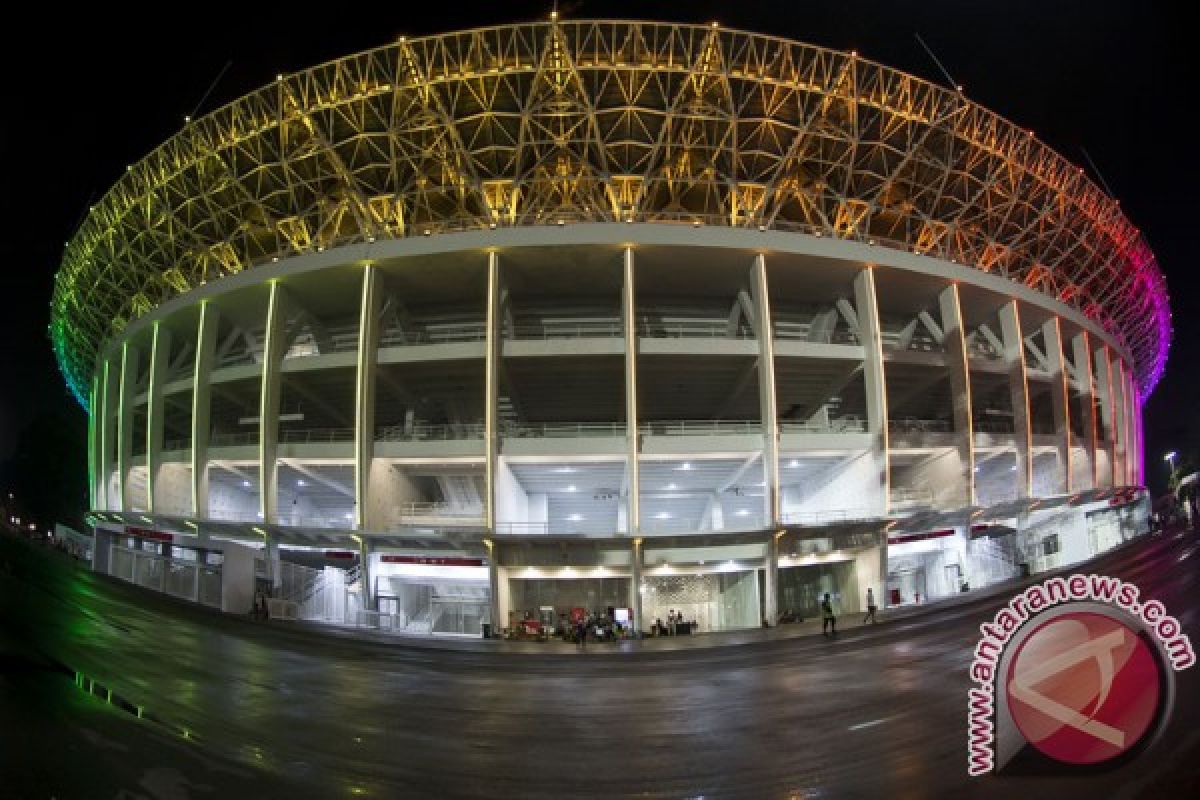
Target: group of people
(675,624)
(600,627)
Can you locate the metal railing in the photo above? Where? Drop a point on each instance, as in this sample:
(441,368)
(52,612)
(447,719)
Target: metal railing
(910,497)
(910,425)
(982,424)
(815,518)
(690,329)
(842,425)
(315,435)
(233,439)
(435,334)
(423,432)
(440,509)
(561,430)
(171,445)
(699,427)
(568,330)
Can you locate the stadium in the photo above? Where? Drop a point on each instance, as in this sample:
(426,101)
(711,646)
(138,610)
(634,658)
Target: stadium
(498,324)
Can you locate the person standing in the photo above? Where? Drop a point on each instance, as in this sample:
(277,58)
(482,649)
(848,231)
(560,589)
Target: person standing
(870,606)
(828,620)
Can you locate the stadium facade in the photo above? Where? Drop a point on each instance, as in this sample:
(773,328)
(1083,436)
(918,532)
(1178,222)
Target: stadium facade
(606,314)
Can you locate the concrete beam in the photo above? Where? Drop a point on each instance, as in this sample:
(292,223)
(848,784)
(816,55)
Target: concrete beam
(768,413)
(959,368)
(1081,350)
(370,323)
(1059,398)
(629,328)
(160,350)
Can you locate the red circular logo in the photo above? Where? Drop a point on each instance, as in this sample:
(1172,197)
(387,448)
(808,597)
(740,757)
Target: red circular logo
(1083,688)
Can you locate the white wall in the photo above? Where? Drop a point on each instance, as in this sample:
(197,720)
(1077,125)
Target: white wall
(852,485)
(173,492)
(942,476)
(226,499)
(388,489)
(512,503)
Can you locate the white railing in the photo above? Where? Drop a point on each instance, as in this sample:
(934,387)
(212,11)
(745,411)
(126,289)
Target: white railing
(440,509)
(426,433)
(440,334)
(690,329)
(699,427)
(569,330)
(562,430)
(843,425)
(911,425)
(910,497)
(829,517)
(315,435)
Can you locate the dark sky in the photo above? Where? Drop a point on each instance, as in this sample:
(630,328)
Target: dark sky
(89,91)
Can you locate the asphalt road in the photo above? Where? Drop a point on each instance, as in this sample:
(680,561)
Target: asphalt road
(233,708)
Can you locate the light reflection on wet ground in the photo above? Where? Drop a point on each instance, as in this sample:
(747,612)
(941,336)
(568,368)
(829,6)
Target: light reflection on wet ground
(878,712)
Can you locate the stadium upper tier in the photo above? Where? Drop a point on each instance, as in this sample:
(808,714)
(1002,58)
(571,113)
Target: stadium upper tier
(601,121)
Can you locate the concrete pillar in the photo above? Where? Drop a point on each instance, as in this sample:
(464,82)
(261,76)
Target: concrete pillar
(874,378)
(1107,414)
(635,583)
(1121,445)
(370,309)
(491,434)
(633,465)
(274,347)
(764,331)
(771,579)
(1059,399)
(1018,387)
(129,368)
(108,432)
(94,413)
(493,557)
(1127,411)
(206,346)
(1083,363)
(364,569)
(882,599)
(959,370)
(160,351)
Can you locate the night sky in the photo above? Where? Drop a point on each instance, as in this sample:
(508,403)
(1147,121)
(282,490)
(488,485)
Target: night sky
(89,91)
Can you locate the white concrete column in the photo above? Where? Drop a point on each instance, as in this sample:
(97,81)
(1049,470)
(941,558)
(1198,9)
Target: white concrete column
(1104,385)
(633,466)
(274,346)
(1083,364)
(108,431)
(635,583)
(1127,403)
(206,345)
(764,331)
(129,362)
(370,309)
(1059,399)
(160,350)
(1018,387)
(1120,437)
(364,571)
(771,579)
(493,557)
(94,413)
(491,389)
(874,378)
(959,369)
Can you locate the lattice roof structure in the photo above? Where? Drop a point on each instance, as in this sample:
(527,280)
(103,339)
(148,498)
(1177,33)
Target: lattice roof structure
(601,121)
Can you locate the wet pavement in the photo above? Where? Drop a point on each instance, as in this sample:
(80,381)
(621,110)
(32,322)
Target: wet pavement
(232,708)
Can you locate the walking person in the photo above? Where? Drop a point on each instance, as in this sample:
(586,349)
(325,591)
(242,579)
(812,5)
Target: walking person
(828,620)
(870,607)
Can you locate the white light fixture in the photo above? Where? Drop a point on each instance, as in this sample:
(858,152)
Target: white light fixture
(246,484)
(301,482)
(662,515)
(793,464)
(575,518)
(685,466)
(671,487)
(572,488)
(565,470)
(742,513)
